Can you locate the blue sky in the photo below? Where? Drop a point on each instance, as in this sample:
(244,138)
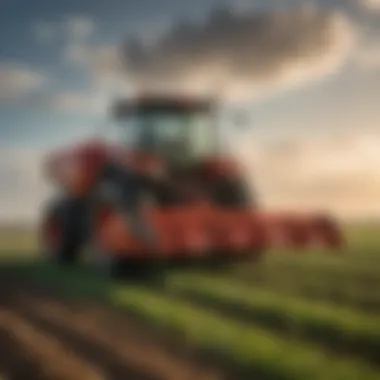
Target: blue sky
(34,36)
(311,79)
(23,123)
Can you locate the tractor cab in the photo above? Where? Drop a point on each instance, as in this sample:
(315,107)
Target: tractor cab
(178,131)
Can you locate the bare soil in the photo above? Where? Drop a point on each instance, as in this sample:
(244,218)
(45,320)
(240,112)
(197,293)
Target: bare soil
(49,338)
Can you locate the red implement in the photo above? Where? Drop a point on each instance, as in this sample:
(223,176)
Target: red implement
(205,231)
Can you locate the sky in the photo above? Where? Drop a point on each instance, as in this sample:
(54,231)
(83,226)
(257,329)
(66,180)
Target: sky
(308,72)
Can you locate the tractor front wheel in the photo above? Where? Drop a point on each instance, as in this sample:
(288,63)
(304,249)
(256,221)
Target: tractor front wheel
(105,263)
(63,232)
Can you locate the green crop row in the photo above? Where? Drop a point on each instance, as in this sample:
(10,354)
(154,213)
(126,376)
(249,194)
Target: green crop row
(299,269)
(342,328)
(344,286)
(245,345)
(354,294)
(241,344)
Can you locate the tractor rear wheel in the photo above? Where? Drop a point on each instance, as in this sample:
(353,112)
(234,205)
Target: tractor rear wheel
(63,231)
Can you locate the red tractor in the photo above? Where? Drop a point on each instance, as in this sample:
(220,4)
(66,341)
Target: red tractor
(165,191)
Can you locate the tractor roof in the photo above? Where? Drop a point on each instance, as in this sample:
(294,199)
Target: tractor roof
(145,104)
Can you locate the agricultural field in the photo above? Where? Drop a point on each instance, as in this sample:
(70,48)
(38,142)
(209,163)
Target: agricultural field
(294,316)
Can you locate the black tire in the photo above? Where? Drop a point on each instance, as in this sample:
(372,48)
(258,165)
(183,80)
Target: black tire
(105,264)
(110,265)
(70,217)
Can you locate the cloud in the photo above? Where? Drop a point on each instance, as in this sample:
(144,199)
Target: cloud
(71,101)
(76,29)
(373,5)
(45,32)
(106,66)
(341,173)
(79,28)
(368,56)
(238,53)
(107,78)
(22,186)
(17,81)
(103,63)
(94,103)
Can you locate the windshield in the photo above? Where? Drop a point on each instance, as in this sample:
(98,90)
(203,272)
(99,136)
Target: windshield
(191,134)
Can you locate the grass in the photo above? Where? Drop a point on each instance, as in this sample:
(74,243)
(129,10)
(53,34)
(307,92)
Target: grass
(17,242)
(292,317)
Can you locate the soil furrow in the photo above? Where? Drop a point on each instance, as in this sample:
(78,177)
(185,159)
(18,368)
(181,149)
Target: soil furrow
(14,361)
(86,346)
(54,359)
(125,344)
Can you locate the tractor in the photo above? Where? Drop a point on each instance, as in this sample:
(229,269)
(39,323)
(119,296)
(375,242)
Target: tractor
(165,190)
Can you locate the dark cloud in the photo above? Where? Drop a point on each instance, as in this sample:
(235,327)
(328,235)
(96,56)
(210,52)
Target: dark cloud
(242,49)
